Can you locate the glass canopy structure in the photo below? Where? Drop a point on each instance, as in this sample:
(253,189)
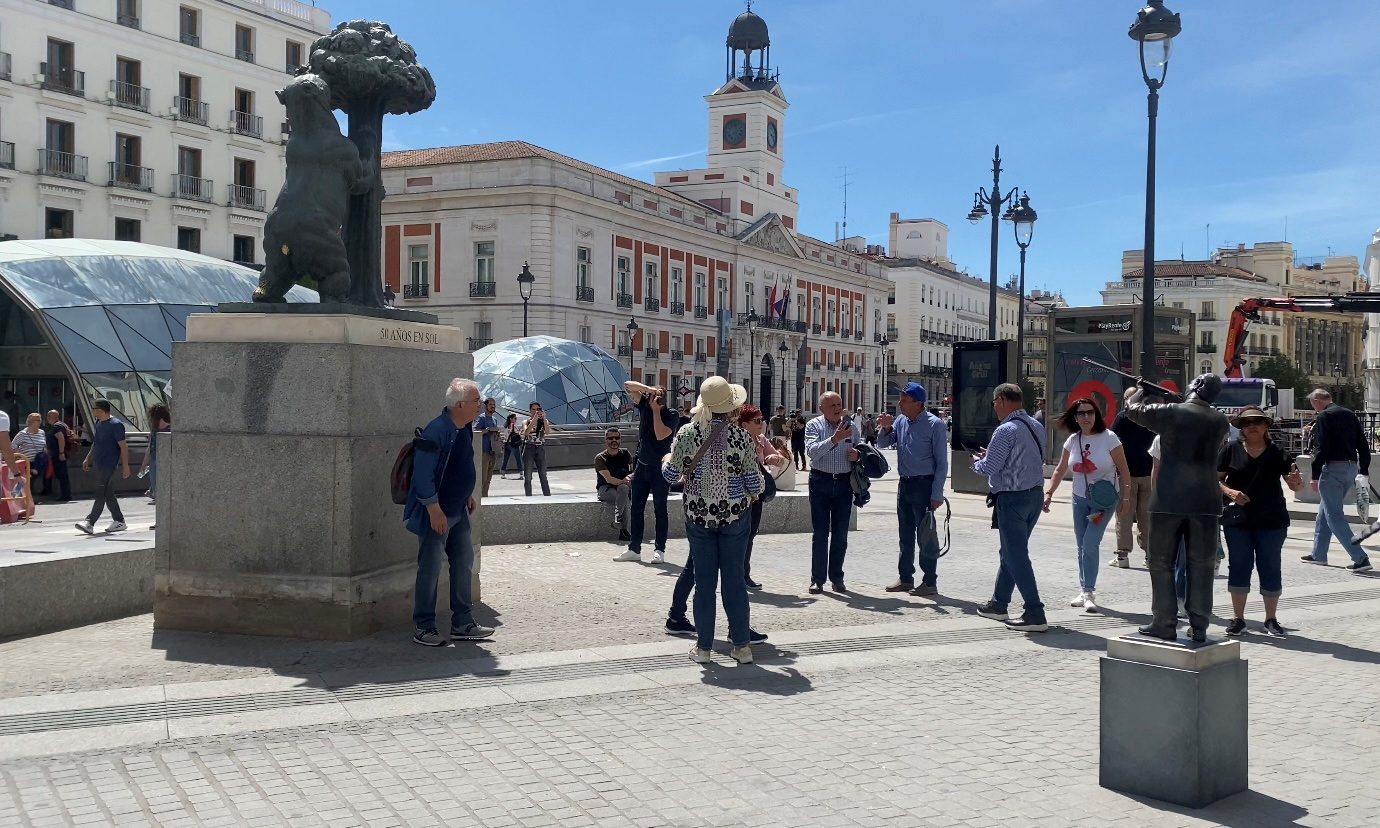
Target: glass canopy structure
(88,319)
(575,383)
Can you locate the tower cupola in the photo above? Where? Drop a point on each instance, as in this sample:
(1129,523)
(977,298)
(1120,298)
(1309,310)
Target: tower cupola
(748,34)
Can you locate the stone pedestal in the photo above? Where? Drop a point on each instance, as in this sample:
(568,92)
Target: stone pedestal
(1173,716)
(274,510)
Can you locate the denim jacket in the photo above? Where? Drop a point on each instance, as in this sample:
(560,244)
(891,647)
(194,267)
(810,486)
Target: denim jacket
(427,468)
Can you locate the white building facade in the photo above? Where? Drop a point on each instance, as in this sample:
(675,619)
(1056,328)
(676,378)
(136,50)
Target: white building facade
(147,120)
(692,276)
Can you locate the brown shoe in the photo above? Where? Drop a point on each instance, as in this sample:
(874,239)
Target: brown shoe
(901,586)
(837,586)
(925,590)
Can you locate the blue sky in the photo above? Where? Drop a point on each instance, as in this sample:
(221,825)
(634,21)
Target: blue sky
(1269,113)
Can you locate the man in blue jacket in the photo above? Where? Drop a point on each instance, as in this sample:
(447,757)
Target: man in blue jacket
(438,511)
(922,455)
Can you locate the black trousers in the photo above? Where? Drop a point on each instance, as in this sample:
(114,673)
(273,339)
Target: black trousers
(105,497)
(752,536)
(1199,534)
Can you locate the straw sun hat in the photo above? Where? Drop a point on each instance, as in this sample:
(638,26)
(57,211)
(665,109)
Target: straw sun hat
(719,396)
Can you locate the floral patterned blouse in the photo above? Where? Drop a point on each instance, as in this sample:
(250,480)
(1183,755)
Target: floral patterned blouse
(721,488)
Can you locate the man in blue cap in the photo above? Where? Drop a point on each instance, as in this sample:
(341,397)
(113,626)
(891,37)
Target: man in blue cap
(922,458)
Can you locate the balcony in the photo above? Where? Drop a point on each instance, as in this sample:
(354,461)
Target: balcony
(68,81)
(1208,316)
(1207,347)
(816,329)
(190,109)
(677,355)
(62,164)
(475,343)
(129,96)
(797,326)
(701,312)
(242,123)
(624,300)
(484,290)
(893,334)
(858,335)
(625,350)
(653,353)
(190,39)
(833,332)
(129,21)
(877,369)
(833,367)
(1033,354)
(652,305)
(584,293)
(191,187)
(677,308)
(246,198)
(130,177)
(816,365)
(5,66)
(246,55)
(845,333)
(701,356)
(416,290)
(6,155)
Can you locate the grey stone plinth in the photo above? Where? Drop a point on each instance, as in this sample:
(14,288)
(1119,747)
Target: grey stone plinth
(274,512)
(296,308)
(1174,733)
(75,582)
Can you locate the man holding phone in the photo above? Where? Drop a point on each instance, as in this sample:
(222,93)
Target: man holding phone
(831,441)
(656,427)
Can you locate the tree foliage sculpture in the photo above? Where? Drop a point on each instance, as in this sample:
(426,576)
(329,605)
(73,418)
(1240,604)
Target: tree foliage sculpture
(371,72)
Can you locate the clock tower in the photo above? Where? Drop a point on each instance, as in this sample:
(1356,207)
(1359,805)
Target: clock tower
(747,117)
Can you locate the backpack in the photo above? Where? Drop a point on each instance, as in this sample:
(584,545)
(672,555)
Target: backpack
(400,480)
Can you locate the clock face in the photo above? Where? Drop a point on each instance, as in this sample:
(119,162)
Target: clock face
(735,131)
(771,134)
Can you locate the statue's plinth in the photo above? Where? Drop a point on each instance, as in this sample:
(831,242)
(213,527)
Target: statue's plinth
(326,308)
(274,511)
(1173,719)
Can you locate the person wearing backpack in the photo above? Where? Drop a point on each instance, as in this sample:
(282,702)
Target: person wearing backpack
(440,499)
(1096,495)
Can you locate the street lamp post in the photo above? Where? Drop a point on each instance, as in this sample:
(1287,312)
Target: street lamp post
(752,320)
(782,350)
(885,342)
(632,350)
(1155,29)
(1023,222)
(525,282)
(984,201)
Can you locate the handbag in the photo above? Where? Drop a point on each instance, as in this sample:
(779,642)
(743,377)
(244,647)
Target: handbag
(768,485)
(1234,514)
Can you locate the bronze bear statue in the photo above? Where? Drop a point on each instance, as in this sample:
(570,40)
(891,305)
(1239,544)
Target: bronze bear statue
(302,236)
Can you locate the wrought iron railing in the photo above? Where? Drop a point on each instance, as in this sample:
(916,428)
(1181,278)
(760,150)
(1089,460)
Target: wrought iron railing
(677,308)
(130,177)
(677,355)
(416,290)
(190,39)
(243,123)
(190,109)
(653,353)
(191,187)
(625,300)
(701,312)
(62,164)
(625,350)
(584,293)
(816,329)
(701,356)
(128,20)
(130,96)
(246,55)
(247,198)
(65,80)
(7,155)
(483,289)
(652,304)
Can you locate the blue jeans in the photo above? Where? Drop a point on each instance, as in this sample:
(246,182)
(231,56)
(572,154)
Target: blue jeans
(458,549)
(831,506)
(1258,549)
(719,552)
(648,479)
(1336,480)
(513,452)
(1089,538)
(913,512)
(1017,513)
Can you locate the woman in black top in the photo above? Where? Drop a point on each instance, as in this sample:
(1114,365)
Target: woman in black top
(797,432)
(1250,470)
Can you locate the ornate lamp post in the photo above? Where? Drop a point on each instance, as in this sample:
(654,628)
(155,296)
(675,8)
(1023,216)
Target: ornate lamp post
(1155,29)
(782,350)
(884,343)
(983,202)
(525,282)
(1023,219)
(632,352)
(752,320)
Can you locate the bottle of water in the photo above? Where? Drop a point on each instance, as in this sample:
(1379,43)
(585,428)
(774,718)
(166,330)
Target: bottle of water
(18,491)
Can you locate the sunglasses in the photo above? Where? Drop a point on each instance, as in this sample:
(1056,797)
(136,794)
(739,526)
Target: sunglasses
(1085,412)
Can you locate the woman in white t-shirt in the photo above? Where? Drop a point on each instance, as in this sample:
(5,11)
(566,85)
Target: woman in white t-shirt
(1099,459)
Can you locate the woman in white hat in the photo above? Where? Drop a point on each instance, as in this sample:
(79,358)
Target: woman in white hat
(1256,519)
(719,464)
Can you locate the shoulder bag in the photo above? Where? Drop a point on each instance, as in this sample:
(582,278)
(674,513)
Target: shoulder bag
(714,432)
(1234,514)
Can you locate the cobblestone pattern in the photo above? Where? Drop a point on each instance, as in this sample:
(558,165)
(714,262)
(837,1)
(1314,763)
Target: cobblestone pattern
(1003,740)
(546,597)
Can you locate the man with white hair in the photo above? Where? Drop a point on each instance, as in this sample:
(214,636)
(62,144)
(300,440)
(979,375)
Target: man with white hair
(831,441)
(438,510)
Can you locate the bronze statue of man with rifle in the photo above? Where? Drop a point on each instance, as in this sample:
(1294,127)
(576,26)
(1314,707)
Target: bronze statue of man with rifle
(1186,503)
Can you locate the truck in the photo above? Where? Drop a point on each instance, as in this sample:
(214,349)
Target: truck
(1243,392)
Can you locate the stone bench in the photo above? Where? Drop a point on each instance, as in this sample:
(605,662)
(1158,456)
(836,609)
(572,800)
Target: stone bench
(56,586)
(583,517)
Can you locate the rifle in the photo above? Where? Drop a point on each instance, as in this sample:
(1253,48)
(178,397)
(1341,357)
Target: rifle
(1143,383)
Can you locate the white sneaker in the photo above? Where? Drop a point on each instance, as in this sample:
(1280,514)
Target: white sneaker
(1120,562)
(629,555)
(1079,600)
(701,656)
(743,654)
(116,526)
(659,556)
(1090,602)
(85,526)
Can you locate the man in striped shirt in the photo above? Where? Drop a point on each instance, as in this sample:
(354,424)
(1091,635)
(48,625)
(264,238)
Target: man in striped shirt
(831,442)
(1014,465)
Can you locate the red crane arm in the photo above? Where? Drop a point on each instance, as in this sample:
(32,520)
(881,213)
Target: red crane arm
(1249,311)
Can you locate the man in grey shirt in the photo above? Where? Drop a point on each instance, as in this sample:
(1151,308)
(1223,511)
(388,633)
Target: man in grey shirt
(831,441)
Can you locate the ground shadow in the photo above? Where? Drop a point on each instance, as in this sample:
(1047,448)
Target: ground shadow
(780,600)
(869,603)
(1248,809)
(1303,644)
(756,678)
